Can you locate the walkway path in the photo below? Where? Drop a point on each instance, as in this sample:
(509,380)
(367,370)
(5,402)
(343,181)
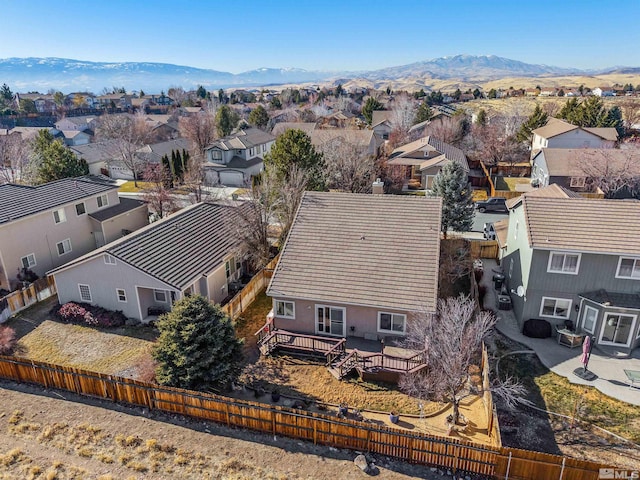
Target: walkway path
(563,360)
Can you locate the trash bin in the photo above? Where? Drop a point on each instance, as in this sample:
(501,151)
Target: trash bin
(498,281)
(504,302)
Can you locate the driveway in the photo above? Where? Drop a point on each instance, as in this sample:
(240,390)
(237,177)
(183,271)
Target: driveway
(563,360)
(481,218)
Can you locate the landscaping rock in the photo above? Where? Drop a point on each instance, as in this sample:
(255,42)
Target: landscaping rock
(361,463)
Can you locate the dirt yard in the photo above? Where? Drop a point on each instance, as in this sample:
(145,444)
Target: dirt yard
(55,435)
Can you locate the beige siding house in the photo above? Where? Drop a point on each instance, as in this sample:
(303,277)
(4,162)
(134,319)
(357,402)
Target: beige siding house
(560,134)
(49,225)
(357,265)
(193,251)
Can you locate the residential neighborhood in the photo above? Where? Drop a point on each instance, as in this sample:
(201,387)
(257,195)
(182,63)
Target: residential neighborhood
(346,266)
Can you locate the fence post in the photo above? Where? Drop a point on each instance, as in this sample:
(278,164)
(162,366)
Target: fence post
(564,459)
(315,431)
(506,477)
(226,408)
(273,422)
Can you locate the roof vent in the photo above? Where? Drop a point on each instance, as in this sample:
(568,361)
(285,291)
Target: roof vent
(362,237)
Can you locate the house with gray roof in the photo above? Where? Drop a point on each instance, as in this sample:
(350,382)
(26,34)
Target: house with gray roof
(569,258)
(193,251)
(234,159)
(560,134)
(424,158)
(45,226)
(344,270)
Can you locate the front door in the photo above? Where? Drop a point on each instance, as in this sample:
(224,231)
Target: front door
(330,320)
(617,329)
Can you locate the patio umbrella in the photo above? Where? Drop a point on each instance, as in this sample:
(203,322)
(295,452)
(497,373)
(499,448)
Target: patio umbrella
(586,349)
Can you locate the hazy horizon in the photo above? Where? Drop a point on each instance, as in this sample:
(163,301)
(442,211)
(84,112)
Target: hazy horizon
(332,36)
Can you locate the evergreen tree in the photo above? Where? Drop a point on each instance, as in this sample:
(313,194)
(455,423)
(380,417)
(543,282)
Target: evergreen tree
(197,347)
(226,120)
(167,176)
(201,92)
(593,113)
(259,117)
(571,112)
(221,96)
(294,147)
(60,162)
(477,93)
(537,119)
(452,184)
(185,160)
(369,106)
(176,160)
(614,119)
(561,93)
(276,103)
(423,113)
(6,95)
(457,94)
(482,119)
(492,93)
(338,91)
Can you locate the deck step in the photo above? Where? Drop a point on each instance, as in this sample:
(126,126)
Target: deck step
(334,372)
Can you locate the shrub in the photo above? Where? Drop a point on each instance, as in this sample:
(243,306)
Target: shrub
(7,340)
(89,315)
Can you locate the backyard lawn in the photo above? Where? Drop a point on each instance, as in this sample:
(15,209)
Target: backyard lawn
(129,187)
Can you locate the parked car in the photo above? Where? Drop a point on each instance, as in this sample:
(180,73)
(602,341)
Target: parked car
(493,204)
(489,231)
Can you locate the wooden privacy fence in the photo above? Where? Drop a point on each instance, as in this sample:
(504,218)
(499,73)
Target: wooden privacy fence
(456,455)
(20,299)
(248,294)
(484,248)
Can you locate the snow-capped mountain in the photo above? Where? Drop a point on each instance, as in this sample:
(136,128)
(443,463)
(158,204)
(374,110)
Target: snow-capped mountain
(42,74)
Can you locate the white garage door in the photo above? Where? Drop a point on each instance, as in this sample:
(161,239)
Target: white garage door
(232,179)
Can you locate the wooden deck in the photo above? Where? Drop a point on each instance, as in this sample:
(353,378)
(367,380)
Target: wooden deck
(339,360)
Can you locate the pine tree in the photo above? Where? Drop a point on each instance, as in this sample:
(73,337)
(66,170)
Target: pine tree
(614,119)
(259,117)
(452,184)
(423,113)
(185,161)
(481,119)
(60,162)
(201,92)
(197,347)
(226,120)
(167,172)
(537,119)
(176,160)
(369,106)
(294,147)
(571,112)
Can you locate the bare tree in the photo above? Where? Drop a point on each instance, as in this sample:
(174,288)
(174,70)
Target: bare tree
(199,129)
(14,158)
(451,341)
(127,134)
(630,113)
(403,113)
(177,94)
(157,195)
(349,166)
(320,109)
(610,170)
(450,130)
(344,103)
(491,144)
(269,208)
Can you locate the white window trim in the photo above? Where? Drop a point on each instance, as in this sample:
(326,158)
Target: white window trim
(61,215)
(604,322)
(577,182)
(106,200)
(344,319)
(111,259)
(635,259)
(88,289)
(404,323)
(584,316)
(552,253)
(293,308)
(27,257)
(124,294)
(76,208)
(555,316)
(62,242)
(155,295)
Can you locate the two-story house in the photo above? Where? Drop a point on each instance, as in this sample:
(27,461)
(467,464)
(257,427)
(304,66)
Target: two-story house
(424,158)
(576,169)
(578,259)
(194,251)
(560,134)
(45,226)
(234,159)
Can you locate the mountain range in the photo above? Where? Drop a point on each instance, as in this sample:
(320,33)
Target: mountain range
(67,75)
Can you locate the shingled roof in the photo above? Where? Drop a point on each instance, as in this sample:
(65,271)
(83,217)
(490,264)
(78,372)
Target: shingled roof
(18,201)
(372,250)
(243,139)
(413,153)
(177,249)
(582,224)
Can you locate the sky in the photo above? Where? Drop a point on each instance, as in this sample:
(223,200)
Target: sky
(348,35)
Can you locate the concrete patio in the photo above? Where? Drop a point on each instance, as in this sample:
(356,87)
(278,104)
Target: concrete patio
(562,360)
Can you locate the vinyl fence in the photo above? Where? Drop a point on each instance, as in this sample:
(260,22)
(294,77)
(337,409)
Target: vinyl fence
(444,452)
